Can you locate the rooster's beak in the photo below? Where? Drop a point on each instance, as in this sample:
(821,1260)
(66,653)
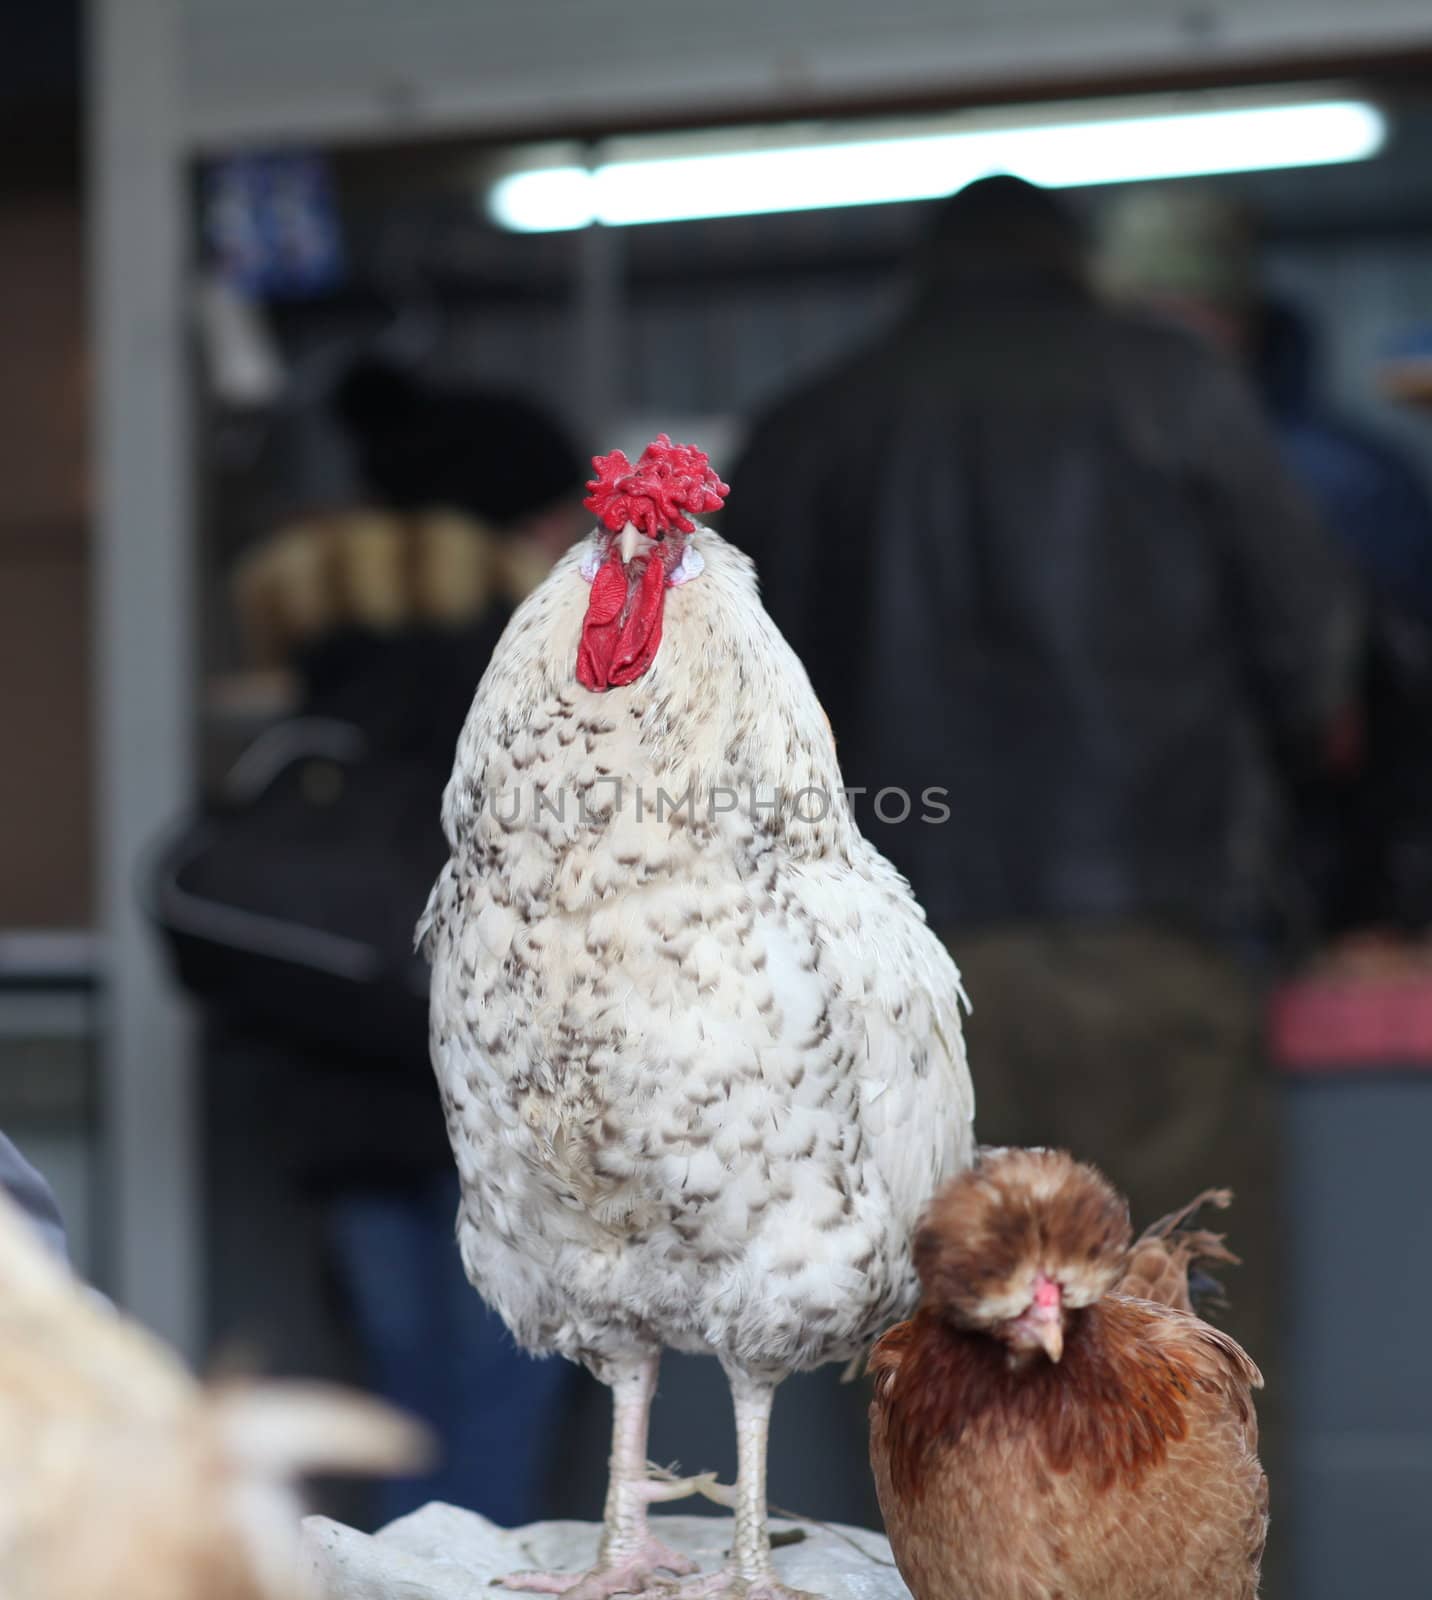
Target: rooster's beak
(630,538)
(1051,1337)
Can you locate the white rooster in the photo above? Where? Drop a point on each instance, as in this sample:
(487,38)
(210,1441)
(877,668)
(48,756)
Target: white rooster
(700,1055)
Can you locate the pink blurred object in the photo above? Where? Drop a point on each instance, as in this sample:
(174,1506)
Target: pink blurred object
(1341,1022)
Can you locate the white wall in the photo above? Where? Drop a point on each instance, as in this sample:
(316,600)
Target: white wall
(264,69)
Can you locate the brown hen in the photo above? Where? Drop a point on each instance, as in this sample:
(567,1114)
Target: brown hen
(1037,1433)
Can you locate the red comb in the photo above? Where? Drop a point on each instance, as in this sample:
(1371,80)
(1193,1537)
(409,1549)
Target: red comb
(668,481)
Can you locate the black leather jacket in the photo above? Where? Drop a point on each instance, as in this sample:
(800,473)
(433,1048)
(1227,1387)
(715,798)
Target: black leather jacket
(1042,555)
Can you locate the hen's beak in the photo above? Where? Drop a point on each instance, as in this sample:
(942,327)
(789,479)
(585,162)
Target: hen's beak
(631,537)
(1046,1316)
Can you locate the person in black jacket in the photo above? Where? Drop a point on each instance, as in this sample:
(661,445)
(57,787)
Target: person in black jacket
(1065,608)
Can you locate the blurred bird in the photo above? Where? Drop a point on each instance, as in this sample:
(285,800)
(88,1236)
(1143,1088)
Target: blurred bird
(1038,1432)
(120,1475)
(700,1054)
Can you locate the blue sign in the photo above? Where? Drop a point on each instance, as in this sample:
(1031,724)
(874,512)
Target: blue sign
(271,223)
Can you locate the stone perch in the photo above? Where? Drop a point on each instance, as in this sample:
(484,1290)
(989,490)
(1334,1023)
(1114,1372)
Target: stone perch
(442,1553)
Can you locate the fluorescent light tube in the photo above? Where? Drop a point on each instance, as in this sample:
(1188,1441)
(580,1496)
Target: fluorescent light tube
(808,177)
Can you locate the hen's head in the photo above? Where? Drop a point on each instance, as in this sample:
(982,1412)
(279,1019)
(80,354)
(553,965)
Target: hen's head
(1018,1245)
(644,520)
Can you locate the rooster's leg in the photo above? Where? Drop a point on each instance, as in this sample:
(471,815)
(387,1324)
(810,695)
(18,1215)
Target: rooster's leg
(749,1574)
(629,1560)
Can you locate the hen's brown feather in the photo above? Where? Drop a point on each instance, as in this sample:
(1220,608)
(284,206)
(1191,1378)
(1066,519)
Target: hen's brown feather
(1165,1254)
(1109,1410)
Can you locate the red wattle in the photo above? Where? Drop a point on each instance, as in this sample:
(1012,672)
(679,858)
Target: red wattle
(642,633)
(613,652)
(609,592)
(601,627)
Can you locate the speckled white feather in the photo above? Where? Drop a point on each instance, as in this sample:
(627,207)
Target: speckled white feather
(702,1070)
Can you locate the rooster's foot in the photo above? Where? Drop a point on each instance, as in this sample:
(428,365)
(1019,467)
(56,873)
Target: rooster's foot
(646,1571)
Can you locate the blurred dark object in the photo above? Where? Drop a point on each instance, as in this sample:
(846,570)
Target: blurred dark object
(290,904)
(1042,555)
(490,453)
